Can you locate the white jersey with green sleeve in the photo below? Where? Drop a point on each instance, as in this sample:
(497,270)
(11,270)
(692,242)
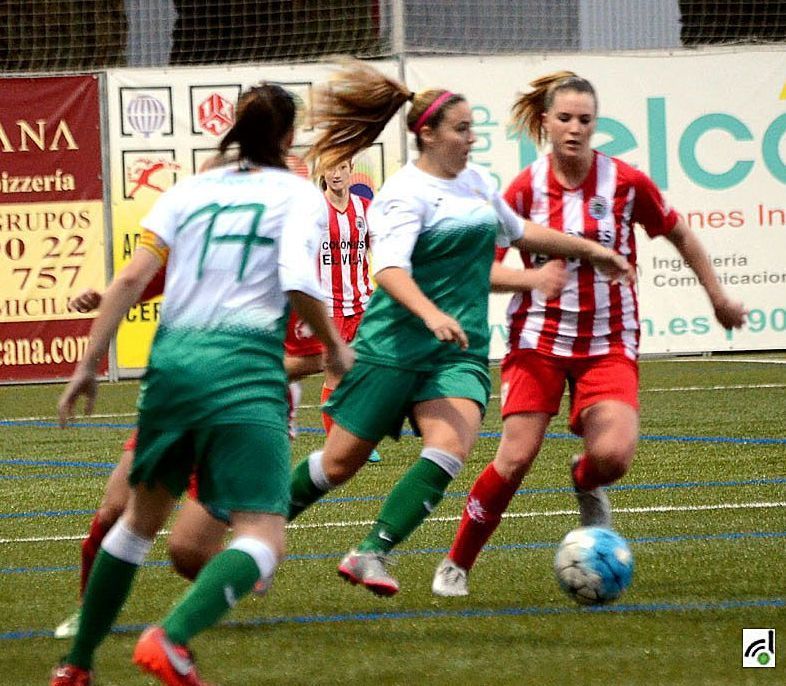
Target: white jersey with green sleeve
(238,241)
(443,232)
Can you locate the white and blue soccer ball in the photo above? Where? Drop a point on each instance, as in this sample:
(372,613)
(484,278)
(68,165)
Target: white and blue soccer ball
(593,565)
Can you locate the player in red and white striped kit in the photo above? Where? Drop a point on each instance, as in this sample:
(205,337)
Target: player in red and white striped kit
(343,260)
(344,271)
(588,335)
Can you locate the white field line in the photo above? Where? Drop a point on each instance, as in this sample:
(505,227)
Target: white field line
(52,418)
(732,387)
(724,360)
(441,520)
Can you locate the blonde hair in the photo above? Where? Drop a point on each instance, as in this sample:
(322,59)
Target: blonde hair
(356,105)
(528,109)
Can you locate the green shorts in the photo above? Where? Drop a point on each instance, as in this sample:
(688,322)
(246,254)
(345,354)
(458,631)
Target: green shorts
(372,401)
(240,467)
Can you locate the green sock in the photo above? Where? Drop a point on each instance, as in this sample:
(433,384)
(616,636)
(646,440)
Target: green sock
(222,582)
(412,499)
(107,590)
(304,493)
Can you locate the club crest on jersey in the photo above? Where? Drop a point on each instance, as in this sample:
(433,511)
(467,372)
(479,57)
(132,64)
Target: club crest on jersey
(360,224)
(598,207)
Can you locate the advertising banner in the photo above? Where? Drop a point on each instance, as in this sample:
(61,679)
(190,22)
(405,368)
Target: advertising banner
(163,125)
(709,129)
(51,222)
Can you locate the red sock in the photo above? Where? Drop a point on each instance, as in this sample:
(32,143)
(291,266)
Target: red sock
(90,548)
(586,476)
(488,499)
(327,420)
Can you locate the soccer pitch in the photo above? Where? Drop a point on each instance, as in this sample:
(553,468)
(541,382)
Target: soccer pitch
(703,509)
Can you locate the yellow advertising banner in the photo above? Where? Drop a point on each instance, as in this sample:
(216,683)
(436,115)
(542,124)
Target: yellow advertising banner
(50,252)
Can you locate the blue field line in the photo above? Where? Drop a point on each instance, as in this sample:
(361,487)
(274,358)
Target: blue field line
(45,513)
(482,434)
(67,475)
(466,613)
(52,513)
(57,463)
(774,481)
(70,568)
(49,423)
(508,547)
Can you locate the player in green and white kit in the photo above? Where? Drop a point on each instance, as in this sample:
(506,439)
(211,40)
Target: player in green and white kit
(422,347)
(240,243)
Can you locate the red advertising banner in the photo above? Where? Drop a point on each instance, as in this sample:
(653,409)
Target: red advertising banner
(51,222)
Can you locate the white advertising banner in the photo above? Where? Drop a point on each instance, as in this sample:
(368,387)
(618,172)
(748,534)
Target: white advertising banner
(710,129)
(163,124)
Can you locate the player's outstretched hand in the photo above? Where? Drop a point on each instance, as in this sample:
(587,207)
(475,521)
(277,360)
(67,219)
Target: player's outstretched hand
(87,301)
(551,278)
(729,313)
(614,265)
(83,382)
(339,359)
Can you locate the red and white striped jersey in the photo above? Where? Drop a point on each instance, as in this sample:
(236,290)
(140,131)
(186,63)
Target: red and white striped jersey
(343,259)
(591,316)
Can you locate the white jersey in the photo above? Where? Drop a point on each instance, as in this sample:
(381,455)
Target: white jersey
(231,262)
(238,242)
(412,203)
(441,231)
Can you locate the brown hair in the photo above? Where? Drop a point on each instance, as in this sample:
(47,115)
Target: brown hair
(357,103)
(264,116)
(529,107)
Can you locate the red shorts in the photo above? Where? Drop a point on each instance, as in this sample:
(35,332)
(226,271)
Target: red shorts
(534,382)
(130,443)
(193,487)
(348,326)
(300,341)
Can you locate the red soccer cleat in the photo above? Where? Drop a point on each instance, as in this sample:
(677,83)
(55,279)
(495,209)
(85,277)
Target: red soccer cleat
(70,675)
(172,664)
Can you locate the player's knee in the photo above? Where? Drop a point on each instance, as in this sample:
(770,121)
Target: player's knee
(187,559)
(338,469)
(514,465)
(613,460)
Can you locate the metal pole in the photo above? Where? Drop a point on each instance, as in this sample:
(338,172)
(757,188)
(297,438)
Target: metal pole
(398,38)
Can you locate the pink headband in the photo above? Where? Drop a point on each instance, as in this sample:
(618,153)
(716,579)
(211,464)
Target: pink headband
(431,109)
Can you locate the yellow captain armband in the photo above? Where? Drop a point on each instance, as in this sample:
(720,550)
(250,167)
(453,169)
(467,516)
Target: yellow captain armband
(149,241)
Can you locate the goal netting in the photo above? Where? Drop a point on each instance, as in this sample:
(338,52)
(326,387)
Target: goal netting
(77,35)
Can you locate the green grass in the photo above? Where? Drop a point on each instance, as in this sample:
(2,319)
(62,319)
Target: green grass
(706,520)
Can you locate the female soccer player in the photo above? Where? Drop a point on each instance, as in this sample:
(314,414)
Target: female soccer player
(422,347)
(343,259)
(588,336)
(241,241)
(344,271)
(196,534)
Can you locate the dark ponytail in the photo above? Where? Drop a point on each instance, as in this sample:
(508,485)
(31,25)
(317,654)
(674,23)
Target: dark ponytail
(264,117)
